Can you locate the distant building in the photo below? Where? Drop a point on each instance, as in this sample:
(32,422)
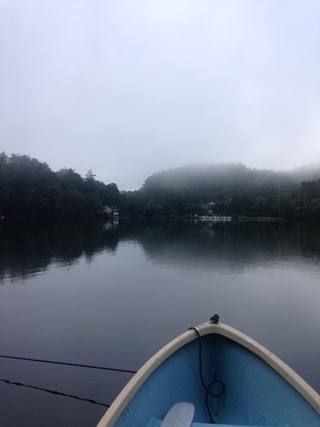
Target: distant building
(210,207)
(111,210)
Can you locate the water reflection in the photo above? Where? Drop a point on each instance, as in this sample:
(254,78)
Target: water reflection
(211,244)
(28,251)
(107,289)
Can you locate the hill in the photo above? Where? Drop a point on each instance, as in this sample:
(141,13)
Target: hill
(229,189)
(30,190)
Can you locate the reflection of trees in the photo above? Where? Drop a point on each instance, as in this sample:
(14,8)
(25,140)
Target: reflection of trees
(308,236)
(208,243)
(30,250)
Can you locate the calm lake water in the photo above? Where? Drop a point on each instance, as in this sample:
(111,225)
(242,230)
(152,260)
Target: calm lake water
(113,295)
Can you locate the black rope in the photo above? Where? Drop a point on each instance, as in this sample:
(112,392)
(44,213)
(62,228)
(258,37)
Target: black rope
(214,381)
(67,364)
(200,357)
(54,392)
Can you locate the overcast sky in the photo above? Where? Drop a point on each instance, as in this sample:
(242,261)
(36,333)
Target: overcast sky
(131,87)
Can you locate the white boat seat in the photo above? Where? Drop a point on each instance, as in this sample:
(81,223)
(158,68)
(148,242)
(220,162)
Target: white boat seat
(155,422)
(221,425)
(180,415)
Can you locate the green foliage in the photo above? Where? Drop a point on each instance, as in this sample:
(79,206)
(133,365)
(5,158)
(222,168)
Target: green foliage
(30,190)
(230,189)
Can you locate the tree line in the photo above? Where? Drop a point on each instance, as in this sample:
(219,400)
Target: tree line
(230,189)
(30,190)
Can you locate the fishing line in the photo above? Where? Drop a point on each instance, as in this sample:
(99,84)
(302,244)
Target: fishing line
(64,364)
(58,393)
(68,364)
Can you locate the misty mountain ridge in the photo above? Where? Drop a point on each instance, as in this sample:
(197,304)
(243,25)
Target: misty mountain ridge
(232,175)
(31,191)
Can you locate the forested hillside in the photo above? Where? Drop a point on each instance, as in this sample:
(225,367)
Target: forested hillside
(230,189)
(30,190)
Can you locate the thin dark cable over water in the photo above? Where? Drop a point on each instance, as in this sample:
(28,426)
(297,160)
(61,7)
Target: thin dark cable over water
(68,364)
(58,393)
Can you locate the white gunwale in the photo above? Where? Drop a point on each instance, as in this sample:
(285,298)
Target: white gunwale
(154,362)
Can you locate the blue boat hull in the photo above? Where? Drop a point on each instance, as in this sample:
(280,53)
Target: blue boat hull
(241,388)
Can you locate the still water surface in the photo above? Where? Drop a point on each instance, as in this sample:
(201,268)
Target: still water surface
(113,295)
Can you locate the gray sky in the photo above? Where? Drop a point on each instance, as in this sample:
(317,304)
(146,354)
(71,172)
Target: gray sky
(131,87)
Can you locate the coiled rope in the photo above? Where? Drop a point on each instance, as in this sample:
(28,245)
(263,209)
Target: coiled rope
(214,381)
